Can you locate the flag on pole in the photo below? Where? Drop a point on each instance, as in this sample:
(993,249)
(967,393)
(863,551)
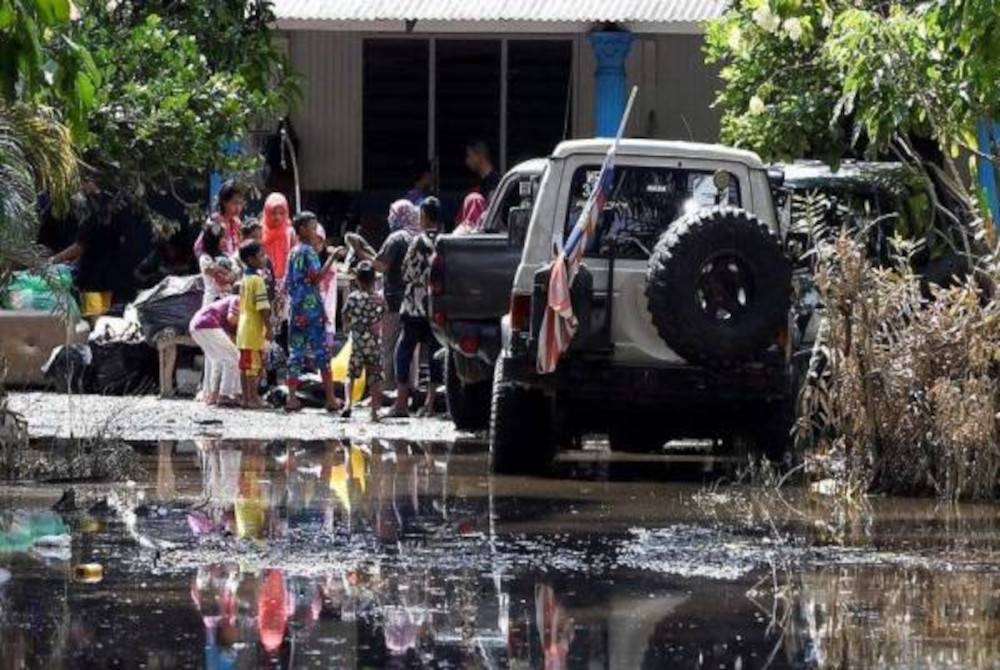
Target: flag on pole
(559,324)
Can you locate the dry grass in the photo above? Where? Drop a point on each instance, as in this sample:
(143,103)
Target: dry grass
(903,389)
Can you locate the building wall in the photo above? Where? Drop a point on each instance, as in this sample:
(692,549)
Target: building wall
(328,120)
(676,89)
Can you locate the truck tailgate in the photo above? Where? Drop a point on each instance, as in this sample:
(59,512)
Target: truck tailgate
(478,273)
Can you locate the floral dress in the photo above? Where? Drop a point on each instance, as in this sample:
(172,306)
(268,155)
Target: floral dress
(364,311)
(306,316)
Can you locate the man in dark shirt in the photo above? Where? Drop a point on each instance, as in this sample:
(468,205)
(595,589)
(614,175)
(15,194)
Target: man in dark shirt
(96,250)
(479,160)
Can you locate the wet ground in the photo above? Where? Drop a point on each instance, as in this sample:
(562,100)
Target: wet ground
(375,553)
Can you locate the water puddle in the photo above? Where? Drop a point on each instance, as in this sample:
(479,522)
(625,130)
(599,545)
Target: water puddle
(396,554)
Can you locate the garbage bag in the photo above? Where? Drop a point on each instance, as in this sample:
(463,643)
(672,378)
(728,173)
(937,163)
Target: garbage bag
(123,363)
(169,304)
(28,291)
(67,366)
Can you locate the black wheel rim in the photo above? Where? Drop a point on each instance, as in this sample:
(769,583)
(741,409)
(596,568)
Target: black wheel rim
(724,289)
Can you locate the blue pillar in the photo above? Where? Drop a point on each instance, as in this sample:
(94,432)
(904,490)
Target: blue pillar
(989,136)
(231,147)
(611,50)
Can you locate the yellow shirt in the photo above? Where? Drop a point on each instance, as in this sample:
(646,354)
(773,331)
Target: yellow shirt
(252,328)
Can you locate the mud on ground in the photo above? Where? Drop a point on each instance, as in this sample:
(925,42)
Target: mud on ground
(141,418)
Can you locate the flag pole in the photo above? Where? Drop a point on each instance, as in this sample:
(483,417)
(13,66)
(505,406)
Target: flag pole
(627,114)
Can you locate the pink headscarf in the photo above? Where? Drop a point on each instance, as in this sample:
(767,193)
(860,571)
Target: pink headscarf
(279,238)
(473,211)
(404,215)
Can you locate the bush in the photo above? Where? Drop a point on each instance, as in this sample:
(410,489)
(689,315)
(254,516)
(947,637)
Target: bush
(903,389)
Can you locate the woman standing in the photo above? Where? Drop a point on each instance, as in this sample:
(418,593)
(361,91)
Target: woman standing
(278,240)
(473,213)
(404,225)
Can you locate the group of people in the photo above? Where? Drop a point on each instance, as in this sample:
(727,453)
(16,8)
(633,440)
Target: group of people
(271,285)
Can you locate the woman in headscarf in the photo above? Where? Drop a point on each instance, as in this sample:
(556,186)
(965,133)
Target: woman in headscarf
(404,225)
(278,241)
(279,236)
(473,214)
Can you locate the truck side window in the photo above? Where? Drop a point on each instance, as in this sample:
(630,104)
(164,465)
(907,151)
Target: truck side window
(643,202)
(510,197)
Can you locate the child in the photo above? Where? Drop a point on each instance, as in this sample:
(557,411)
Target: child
(363,311)
(252,230)
(217,270)
(306,317)
(213,328)
(254,328)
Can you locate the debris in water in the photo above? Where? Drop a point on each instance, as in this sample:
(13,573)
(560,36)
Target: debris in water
(89,573)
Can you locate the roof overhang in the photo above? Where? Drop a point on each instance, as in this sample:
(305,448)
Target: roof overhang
(429,26)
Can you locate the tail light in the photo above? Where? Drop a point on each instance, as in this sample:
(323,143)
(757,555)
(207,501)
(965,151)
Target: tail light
(520,312)
(435,282)
(469,344)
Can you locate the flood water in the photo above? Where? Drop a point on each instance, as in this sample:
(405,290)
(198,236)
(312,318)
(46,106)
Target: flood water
(410,555)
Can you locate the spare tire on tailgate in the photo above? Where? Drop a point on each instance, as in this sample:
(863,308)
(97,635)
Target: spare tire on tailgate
(718,286)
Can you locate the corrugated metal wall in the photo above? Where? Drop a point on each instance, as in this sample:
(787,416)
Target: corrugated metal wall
(683,87)
(328,121)
(676,91)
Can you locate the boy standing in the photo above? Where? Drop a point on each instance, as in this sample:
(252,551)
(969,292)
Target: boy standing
(306,316)
(253,330)
(363,311)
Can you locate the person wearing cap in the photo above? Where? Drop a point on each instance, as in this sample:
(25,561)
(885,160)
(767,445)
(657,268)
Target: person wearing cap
(363,311)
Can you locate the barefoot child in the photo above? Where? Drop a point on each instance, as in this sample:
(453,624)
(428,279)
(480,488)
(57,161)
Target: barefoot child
(306,317)
(363,313)
(253,330)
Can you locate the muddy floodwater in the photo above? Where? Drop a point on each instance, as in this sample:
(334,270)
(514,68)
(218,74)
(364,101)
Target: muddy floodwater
(396,554)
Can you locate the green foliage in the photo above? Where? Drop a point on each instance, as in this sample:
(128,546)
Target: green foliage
(176,85)
(41,64)
(834,78)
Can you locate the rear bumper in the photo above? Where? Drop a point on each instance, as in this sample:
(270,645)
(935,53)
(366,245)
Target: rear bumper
(627,387)
(478,340)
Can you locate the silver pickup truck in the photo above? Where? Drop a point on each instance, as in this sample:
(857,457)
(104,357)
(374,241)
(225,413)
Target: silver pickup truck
(469,290)
(683,302)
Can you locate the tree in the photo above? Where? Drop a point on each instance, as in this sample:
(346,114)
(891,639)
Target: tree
(839,78)
(39,64)
(180,78)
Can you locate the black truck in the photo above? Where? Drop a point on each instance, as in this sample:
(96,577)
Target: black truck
(469,289)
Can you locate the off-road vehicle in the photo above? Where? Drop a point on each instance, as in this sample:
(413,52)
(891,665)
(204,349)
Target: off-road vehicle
(683,302)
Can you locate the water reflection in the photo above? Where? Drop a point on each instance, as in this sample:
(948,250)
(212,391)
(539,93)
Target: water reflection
(402,555)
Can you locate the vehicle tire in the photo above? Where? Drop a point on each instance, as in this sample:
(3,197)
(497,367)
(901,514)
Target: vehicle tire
(719,287)
(521,435)
(468,404)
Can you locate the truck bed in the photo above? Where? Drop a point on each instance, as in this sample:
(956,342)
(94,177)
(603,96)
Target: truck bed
(478,273)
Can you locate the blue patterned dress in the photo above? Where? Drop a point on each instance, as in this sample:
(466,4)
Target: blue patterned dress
(306,316)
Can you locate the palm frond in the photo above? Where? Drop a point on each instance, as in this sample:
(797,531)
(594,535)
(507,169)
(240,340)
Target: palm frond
(36,154)
(38,142)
